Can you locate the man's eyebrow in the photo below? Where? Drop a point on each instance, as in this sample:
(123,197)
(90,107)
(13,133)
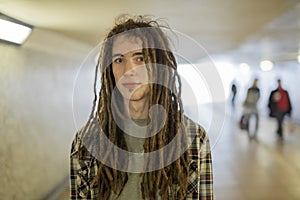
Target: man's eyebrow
(118,54)
(134,54)
(137,54)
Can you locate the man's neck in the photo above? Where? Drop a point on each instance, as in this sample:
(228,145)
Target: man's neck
(139,109)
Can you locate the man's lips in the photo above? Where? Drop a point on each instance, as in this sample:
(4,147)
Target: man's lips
(131,85)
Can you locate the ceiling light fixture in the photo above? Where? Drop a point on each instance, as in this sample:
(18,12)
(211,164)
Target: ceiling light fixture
(266,65)
(13,31)
(244,68)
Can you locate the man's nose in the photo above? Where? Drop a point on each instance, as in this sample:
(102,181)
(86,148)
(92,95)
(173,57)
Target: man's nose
(130,68)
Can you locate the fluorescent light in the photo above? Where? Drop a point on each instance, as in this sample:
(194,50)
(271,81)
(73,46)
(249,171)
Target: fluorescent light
(13,32)
(298,58)
(266,65)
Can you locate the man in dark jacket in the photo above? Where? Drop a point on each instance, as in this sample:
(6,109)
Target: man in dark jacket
(279,105)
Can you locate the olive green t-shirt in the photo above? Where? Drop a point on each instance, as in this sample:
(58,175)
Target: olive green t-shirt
(132,189)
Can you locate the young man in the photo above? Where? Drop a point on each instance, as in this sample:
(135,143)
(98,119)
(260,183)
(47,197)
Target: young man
(139,144)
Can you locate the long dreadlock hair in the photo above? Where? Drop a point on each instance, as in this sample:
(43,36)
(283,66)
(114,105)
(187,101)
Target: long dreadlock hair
(171,180)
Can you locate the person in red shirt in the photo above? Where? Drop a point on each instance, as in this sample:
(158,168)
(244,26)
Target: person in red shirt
(279,105)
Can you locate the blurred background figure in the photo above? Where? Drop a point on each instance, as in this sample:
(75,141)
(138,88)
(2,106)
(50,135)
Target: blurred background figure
(279,105)
(233,93)
(250,112)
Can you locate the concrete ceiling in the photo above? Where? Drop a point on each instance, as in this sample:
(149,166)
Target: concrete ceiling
(220,26)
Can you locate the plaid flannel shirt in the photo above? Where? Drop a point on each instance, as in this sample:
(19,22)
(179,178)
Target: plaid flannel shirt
(83,170)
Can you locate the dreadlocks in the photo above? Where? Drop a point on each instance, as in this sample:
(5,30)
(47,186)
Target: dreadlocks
(171,180)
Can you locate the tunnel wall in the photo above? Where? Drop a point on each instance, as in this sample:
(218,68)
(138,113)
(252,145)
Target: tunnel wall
(36,120)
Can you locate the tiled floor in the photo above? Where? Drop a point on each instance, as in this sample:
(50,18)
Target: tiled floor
(266,169)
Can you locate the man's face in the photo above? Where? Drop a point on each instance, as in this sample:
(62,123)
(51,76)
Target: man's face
(129,68)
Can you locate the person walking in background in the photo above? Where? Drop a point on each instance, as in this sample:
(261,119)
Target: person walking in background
(250,108)
(233,93)
(279,105)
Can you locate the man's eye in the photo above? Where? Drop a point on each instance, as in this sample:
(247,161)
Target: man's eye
(118,60)
(140,59)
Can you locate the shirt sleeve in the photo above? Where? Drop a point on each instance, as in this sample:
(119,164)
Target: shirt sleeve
(74,171)
(201,172)
(82,172)
(206,170)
